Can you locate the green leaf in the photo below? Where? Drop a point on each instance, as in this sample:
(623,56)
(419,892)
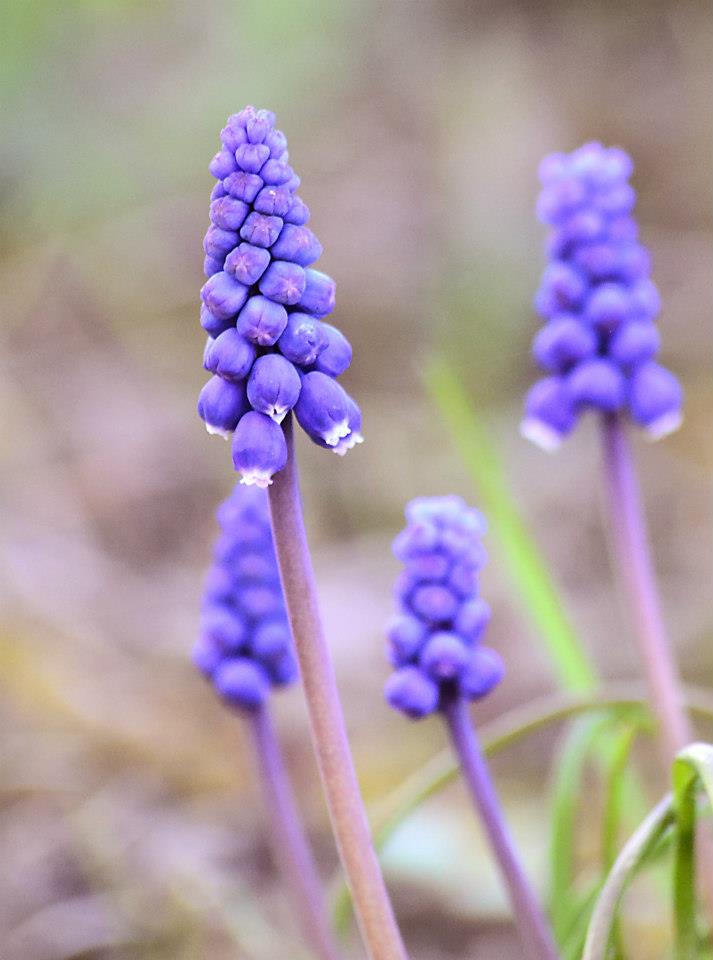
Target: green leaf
(692,769)
(523,559)
(633,855)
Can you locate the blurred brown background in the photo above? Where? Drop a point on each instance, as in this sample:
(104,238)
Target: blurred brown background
(129,825)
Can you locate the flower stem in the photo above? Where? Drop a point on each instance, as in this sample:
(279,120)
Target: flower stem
(346,808)
(529,917)
(291,848)
(633,556)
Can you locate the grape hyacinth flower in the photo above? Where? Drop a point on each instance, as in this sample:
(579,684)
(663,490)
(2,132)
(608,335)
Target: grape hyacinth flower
(435,642)
(245,649)
(599,343)
(270,350)
(435,646)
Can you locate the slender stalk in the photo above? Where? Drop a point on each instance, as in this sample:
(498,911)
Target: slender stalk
(533,926)
(630,544)
(291,848)
(346,808)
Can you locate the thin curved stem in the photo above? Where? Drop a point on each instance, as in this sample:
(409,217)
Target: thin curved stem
(529,916)
(291,847)
(631,547)
(346,808)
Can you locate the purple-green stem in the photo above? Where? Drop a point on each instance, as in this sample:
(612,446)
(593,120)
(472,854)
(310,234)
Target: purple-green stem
(632,552)
(346,808)
(630,543)
(290,845)
(532,924)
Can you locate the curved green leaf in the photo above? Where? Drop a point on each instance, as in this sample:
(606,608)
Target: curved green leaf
(692,768)
(634,853)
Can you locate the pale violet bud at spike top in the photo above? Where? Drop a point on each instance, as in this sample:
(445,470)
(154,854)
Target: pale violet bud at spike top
(244,644)
(263,305)
(274,386)
(598,277)
(435,641)
(259,449)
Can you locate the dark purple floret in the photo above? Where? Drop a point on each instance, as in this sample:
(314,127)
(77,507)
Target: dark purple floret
(435,640)
(244,644)
(599,303)
(263,304)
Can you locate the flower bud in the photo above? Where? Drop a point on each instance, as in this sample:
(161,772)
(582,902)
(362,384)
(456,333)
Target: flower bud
(259,449)
(221,404)
(274,386)
(230,356)
(262,321)
(322,409)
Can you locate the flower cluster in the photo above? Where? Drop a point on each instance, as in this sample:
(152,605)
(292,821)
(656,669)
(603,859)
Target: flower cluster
(263,306)
(435,642)
(599,342)
(244,645)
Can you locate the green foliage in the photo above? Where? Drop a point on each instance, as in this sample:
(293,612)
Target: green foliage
(522,558)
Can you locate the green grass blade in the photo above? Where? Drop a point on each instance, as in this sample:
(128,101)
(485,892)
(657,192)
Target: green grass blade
(633,855)
(692,768)
(524,561)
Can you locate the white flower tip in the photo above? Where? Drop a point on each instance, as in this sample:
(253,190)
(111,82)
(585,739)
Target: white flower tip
(541,434)
(217,431)
(337,432)
(277,414)
(347,443)
(256,478)
(668,423)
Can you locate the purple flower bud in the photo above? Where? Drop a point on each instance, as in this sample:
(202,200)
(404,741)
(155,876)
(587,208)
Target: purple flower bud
(297,244)
(217,243)
(214,325)
(247,263)
(472,619)
(444,656)
(411,692)
(233,133)
(634,342)
(549,413)
(277,142)
(207,655)
(221,404)
(406,635)
(608,306)
(271,639)
(561,290)
(597,383)
(337,355)
(645,300)
(243,186)
(298,212)
(434,603)
(259,601)
(303,339)
(227,213)
(211,266)
(260,230)
(322,409)
(274,386)
(259,126)
(655,400)
(563,342)
(276,172)
(218,191)
(223,296)
(251,156)
(283,282)
(484,672)
(230,356)
(274,201)
(354,436)
(259,449)
(319,293)
(223,164)
(225,627)
(262,321)
(282,670)
(242,683)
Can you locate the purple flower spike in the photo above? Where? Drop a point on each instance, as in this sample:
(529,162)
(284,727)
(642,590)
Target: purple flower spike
(274,386)
(262,306)
(259,449)
(599,303)
(435,642)
(221,405)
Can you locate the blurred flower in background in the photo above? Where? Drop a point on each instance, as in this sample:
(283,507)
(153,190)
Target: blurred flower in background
(127,818)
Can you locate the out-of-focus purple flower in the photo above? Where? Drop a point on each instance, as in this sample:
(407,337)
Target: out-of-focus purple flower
(244,644)
(435,640)
(599,303)
(263,306)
